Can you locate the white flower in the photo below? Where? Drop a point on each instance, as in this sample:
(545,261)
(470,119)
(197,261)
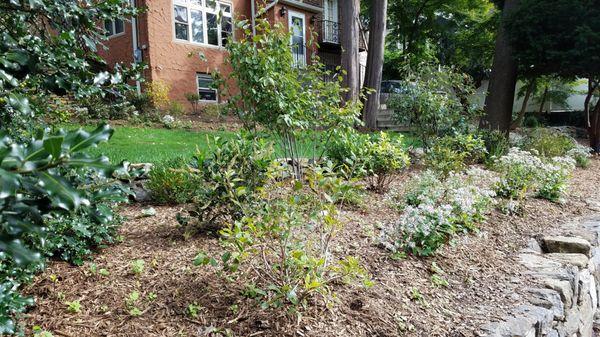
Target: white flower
(168,119)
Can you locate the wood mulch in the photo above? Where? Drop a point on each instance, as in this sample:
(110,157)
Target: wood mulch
(482,270)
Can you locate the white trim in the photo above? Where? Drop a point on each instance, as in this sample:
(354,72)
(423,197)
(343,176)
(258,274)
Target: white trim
(114,28)
(204,10)
(302,5)
(198,90)
(293,14)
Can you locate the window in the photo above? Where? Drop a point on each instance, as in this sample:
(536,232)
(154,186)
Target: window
(203,21)
(205,88)
(114,27)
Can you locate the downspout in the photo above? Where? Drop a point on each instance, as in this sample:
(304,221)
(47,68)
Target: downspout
(135,43)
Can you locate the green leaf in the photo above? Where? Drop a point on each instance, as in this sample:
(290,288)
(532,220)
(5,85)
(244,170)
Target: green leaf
(80,140)
(54,145)
(60,191)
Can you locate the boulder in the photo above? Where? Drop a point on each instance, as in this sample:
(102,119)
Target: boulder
(573,259)
(566,244)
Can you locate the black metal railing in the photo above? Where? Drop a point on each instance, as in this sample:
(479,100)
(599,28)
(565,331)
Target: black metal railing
(329,32)
(299,54)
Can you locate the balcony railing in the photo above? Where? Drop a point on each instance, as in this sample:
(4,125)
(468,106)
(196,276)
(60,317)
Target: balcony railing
(329,32)
(299,54)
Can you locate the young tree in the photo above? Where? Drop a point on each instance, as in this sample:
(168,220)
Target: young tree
(350,34)
(501,91)
(374,70)
(560,37)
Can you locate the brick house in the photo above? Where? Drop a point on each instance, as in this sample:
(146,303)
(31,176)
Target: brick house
(169,30)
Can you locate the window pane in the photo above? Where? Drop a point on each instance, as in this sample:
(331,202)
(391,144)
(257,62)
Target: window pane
(197,27)
(119,26)
(181,31)
(211,4)
(108,27)
(225,8)
(204,81)
(207,94)
(181,14)
(226,28)
(197,2)
(213,31)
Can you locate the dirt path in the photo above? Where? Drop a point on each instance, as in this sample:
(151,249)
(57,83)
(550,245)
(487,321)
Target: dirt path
(484,280)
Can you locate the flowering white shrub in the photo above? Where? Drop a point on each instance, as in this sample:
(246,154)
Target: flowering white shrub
(554,176)
(519,170)
(524,171)
(471,196)
(168,120)
(421,230)
(581,154)
(435,209)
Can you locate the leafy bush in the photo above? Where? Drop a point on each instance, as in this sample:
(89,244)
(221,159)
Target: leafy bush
(554,177)
(496,144)
(232,173)
(434,103)
(581,154)
(377,158)
(523,172)
(548,143)
(193,98)
(454,153)
(282,98)
(158,93)
(340,191)
(520,171)
(434,209)
(36,185)
(281,250)
(173,182)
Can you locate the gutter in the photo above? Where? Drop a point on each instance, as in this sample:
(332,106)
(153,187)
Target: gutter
(302,5)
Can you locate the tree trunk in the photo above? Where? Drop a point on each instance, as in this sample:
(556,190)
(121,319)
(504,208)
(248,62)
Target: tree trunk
(519,121)
(594,129)
(501,91)
(374,70)
(349,42)
(543,101)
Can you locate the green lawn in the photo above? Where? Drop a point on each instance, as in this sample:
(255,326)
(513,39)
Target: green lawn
(153,145)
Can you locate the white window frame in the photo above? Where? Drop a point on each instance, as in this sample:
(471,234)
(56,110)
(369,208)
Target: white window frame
(113,24)
(291,15)
(200,5)
(198,87)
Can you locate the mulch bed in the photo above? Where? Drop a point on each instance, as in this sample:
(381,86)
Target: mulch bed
(484,280)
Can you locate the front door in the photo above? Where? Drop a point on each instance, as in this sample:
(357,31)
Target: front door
(297,26)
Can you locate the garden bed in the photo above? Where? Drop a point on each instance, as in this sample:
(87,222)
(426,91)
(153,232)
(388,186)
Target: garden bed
(483,277)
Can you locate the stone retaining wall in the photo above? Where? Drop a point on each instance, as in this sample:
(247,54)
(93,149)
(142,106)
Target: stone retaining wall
(565,270)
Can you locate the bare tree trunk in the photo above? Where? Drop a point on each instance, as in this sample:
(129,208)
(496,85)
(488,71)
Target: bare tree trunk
(594,129)
(519,120)
(543,101)
(349,42)
(501,92)
(374,69)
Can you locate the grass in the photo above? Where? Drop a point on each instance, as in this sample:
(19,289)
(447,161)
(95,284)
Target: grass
(154,145)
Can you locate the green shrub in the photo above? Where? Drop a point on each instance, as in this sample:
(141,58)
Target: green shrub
(581,154)
(454,153)
(554,177)
(549,143)
(377,158)
(496,144)
(280,252)
(432,103)
(176,109)
(340,191)
(194,99)
(232,173)
(523,172)
(173,182)
(434,209)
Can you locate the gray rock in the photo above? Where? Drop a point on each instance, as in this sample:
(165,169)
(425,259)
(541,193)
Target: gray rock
(563,288)
(541,318)
(565,244)
(537,262)
(578,260)
(549,299)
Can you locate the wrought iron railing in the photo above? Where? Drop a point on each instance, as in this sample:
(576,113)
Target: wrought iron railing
(299,54)
(329,32)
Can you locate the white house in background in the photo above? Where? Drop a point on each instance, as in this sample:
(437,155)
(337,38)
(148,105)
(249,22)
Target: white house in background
(575,102)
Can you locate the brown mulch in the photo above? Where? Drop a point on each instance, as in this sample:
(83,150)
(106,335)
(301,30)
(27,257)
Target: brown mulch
(484,280)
